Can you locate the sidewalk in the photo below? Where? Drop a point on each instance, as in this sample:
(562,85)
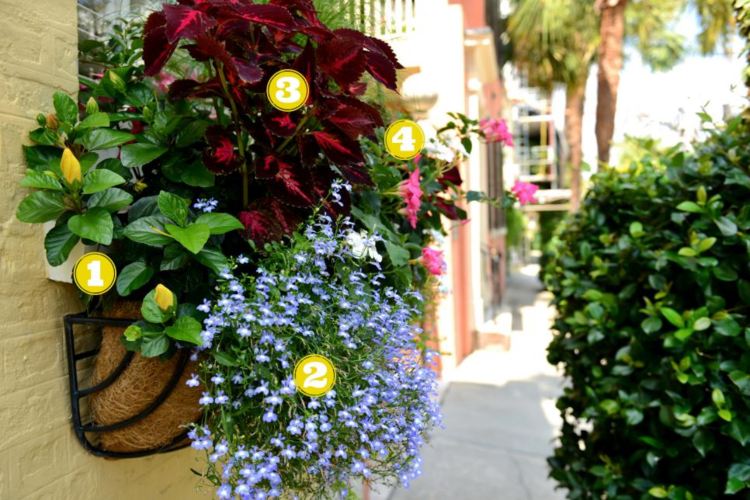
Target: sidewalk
(499,414)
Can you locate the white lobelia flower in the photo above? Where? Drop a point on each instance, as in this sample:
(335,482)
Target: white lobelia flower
(363,245)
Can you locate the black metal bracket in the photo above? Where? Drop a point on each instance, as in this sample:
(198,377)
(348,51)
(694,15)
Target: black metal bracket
(83,429)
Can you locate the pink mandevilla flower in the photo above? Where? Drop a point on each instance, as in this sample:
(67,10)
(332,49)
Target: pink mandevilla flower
(496,131)
(434,261)
(525,192)
(412,193)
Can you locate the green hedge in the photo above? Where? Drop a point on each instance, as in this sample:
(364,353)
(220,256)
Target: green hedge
(652,283)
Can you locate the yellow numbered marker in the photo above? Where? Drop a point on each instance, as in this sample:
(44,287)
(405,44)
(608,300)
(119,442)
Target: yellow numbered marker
(94,273)
(287,90)
(404,139)
(314,375)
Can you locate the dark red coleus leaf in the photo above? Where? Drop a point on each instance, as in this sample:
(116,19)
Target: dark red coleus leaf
(302,8)
(354,117)
(343,59)
(305,64)
(308,150)
(357,89)
(180,89)
(186,22)
(260,225)
(270,15)
(220,155)
(156,48)
(339,149)
(268,167)
(356,174)
(451,177)
(380,60)
(449,209)
(280,123)
(207,48)
(382,69)
(293,185)
(248,70)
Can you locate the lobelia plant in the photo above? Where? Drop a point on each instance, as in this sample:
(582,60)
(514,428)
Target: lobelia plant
(319,294)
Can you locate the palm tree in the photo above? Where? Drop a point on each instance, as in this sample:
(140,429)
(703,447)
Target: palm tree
(649,27)
(555,41)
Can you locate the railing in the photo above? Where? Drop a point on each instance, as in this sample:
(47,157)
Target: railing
(387,19)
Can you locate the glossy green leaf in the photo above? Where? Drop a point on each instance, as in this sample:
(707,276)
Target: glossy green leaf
(95,225)
(133,276)
(149,231)
(41,206)
(673,317)
(140,154)
(151,311)
(173,207)
(99,180)
(66,108)
(41,180)
(94,120)
(213,259)
(220,223)
(112,199)
(185,329)
(105,138)
(193,237)
(58,243)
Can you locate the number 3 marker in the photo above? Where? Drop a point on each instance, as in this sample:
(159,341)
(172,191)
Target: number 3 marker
(314,375)
(94,273)
(287,90)
(404,139)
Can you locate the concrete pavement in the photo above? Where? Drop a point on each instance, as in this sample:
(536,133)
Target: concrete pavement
(499,414)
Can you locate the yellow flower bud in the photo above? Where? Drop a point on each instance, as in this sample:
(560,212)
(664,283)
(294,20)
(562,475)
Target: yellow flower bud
(164,297)
(70,167)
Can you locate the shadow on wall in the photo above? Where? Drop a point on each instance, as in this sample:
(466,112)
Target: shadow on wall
(494,444)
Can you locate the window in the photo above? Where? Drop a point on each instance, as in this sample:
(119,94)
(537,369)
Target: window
(95,17)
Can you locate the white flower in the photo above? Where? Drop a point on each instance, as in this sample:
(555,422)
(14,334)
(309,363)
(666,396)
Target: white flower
(363,245)
(440,151)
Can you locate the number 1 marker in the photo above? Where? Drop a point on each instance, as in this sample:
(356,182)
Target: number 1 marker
(94,273)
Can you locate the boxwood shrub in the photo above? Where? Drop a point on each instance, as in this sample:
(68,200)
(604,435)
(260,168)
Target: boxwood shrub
(652,286)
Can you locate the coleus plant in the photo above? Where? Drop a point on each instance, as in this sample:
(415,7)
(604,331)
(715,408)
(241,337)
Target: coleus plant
(284,162)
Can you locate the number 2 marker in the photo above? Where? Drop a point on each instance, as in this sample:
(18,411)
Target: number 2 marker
(314,375)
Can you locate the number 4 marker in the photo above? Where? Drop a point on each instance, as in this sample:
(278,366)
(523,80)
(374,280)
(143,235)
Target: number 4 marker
(404,139)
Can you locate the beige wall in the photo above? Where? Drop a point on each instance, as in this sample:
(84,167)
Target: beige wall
(39,456)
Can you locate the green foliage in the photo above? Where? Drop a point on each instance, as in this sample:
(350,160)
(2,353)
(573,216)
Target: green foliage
(652,287)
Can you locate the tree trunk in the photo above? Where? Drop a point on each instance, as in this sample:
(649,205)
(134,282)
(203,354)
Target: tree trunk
(612,32)
(574,98)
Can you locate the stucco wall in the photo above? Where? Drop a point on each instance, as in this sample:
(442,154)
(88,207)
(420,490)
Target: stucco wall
(39,456)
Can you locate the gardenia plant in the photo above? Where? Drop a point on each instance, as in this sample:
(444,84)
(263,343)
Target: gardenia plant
(323,294)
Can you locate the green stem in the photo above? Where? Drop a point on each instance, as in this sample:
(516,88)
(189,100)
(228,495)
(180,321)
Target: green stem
(296,131)
(240,138)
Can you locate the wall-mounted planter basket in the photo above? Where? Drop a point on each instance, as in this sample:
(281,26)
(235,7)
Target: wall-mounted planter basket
(108,419)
